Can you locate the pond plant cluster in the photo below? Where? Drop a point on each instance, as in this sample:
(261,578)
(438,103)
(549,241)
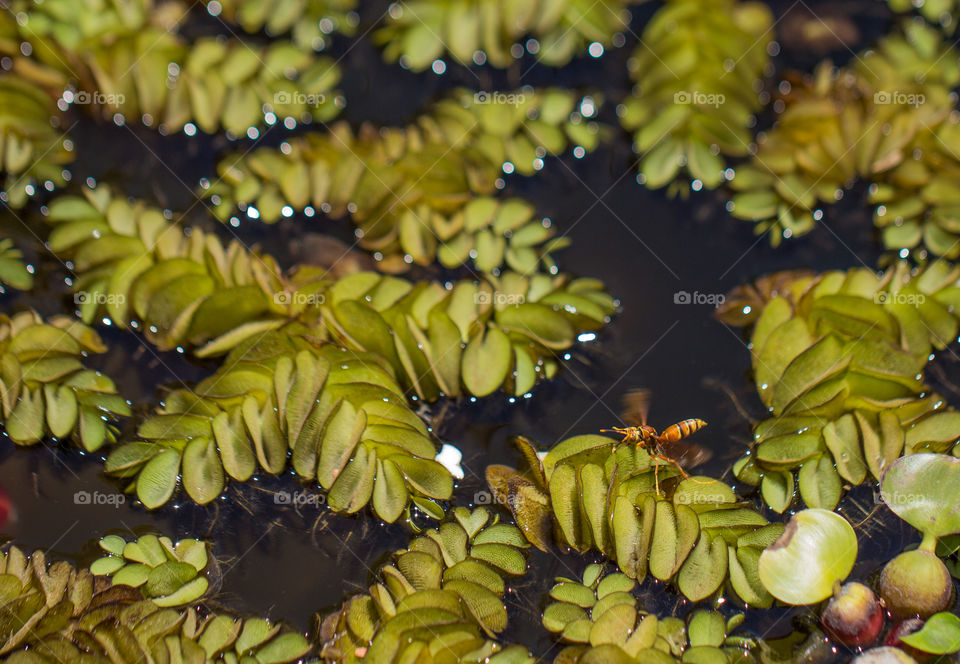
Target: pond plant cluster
(319,369)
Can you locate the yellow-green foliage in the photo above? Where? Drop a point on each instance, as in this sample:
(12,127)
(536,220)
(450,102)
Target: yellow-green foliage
(587,494)
(602,621)
(119,61)
(338,414)
(469,337)
(13,272)
(697,76)
(45,389)
(32,150)
(876,120)
(309,22)
(54,613)
(443,593)
(412,191)
(838,360)
(419,31)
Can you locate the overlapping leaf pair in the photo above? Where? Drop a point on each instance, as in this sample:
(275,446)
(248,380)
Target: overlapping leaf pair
(441,599)
(838,359)
(697,73)
(339,413)
(119,61)
(55,613)
(169,574)
(879,119)
(32,149)
(586,497)
(408,189)
(604,622)
(45,388)
(489,31)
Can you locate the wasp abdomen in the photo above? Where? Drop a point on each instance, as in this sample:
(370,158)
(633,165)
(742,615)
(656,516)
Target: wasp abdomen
(682,429)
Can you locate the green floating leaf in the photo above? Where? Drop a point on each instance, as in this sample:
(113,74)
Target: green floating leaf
(940,635)
(817,550)
(924,491)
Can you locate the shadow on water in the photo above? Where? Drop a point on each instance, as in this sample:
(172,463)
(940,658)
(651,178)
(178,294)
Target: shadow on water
(652,252)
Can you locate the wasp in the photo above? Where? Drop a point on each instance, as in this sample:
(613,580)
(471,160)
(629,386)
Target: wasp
(667,446)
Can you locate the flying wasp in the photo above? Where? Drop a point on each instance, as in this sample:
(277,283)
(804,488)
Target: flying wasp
(667,446)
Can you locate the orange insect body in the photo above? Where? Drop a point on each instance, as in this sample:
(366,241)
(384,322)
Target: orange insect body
(659,445)
(672,434)
(682,429)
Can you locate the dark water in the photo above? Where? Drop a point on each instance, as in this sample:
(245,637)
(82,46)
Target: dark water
(643,245)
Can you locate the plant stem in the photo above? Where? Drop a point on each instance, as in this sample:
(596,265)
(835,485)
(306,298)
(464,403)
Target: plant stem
(929,543)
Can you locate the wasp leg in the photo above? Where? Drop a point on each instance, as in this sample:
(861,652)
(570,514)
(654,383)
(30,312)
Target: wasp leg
(684,473)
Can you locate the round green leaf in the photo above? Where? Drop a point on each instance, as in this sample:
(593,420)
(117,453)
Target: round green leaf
(817,550)
(940,635)
(924,491)
(486,362)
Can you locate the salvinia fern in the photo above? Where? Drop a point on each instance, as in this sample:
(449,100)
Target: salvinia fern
(838,359)
(45,387)
(474,336)
(413,191)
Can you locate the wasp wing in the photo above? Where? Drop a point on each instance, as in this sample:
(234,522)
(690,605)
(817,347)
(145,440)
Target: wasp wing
(688,455)
(636,406)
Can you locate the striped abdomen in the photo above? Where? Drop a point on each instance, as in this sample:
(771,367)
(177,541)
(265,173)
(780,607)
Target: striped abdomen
(675,432)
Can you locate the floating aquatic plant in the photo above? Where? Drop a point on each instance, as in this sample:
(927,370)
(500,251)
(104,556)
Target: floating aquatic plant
(309,22)
(475,337)
(338,414)
(411,191)
(168,573)
(444,592)
(872,121)
(919,489)
(809,560)
(939,635)
(937,12)
(45,389)
(697,82)
(33,150)
(486,31)
(838,360)
(698,536)
(13,272)
(603,622)
(54,613)
(133,62)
